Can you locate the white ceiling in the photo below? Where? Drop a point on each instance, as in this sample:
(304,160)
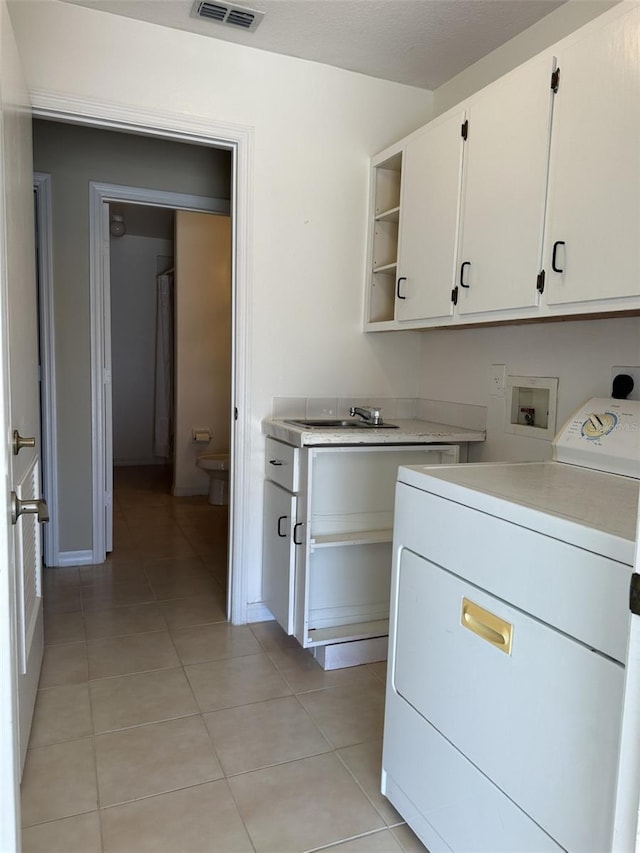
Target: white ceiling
(419,42)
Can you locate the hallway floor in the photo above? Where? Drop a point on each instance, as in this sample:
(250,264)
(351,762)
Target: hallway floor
(161,727)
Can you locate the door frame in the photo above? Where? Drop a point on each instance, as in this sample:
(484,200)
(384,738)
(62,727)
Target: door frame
(100,194)
(238,140)
(46,327)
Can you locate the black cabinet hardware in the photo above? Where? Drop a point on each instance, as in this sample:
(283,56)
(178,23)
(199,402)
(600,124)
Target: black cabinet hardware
(554,266)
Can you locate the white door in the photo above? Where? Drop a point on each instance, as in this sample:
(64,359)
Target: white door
(591,248)
(279,553)
(504,190)
(20,569)
(431,170)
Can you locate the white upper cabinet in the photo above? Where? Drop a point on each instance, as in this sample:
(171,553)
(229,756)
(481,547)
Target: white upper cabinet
(537,214)
(431,176)
(592,246)
(505,178)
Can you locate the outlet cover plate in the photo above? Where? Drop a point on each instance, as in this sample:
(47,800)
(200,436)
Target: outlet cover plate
(634,372)
(497,379)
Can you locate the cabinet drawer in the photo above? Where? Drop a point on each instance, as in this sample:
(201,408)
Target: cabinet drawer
(282,464)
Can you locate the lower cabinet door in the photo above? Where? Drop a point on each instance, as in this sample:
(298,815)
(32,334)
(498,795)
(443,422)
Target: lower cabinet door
(279,552)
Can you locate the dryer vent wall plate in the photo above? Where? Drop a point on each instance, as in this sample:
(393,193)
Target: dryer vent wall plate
(531,406)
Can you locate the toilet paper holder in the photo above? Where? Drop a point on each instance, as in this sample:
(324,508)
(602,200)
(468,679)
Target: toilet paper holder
(201,436)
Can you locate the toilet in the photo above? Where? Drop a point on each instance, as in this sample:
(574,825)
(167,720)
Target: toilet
(217,467)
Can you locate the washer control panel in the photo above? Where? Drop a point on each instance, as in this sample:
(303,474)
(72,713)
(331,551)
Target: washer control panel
(603,434)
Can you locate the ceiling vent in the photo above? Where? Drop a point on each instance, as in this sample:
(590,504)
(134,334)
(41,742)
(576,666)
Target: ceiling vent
(222,13)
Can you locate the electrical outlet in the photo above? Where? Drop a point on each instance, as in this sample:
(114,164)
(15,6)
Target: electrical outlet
(634,373)
(497,380)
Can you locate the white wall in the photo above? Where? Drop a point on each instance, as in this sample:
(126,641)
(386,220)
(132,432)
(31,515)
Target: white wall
(455,366)
(134,263)
(203,343)
(315,128)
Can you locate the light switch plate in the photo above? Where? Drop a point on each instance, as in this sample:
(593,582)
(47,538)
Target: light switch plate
(634,373)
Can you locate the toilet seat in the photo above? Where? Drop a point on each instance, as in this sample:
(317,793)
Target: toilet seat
(214,461)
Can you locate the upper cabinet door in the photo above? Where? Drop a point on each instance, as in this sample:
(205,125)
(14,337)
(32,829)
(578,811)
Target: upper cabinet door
(504,193)
(592,247)
(431,176)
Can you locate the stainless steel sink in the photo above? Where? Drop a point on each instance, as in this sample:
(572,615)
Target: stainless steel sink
(336,423)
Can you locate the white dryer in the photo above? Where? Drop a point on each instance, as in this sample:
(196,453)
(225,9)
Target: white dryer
(508,637)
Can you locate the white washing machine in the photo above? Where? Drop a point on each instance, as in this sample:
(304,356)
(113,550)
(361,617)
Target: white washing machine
(508,638)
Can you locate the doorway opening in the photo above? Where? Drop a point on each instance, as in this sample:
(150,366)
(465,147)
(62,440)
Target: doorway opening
(235,420)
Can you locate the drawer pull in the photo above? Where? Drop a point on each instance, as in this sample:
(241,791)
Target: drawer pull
(487,625)
(276,462)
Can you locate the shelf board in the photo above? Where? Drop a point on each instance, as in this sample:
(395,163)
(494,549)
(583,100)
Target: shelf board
(346,633)
(391,215)
(386,268)
(381,326)
(360,537)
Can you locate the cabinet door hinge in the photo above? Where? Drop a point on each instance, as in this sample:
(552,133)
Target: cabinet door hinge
(464,130)
(454,295)
(634,594)
(540,281)
(555,80)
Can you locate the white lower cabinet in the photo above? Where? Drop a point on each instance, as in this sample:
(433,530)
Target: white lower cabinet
(279,553)
(327,550)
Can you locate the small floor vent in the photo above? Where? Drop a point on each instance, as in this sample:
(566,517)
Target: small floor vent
(222,13)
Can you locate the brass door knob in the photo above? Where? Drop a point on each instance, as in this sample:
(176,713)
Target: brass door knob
(18,442)
(37,507)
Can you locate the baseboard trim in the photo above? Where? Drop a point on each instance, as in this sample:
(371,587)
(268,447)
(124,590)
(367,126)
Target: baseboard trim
(135,463)
(189,491)
(74,558)
(256,611)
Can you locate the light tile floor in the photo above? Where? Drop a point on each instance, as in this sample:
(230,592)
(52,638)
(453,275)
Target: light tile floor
(161,727)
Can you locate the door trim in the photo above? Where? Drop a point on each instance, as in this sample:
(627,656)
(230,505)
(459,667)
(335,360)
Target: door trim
(49,425)
(100,309)
(239,140)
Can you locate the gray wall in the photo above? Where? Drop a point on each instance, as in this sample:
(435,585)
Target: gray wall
(74,156)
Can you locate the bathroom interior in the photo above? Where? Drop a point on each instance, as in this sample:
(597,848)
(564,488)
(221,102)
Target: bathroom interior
(171,346)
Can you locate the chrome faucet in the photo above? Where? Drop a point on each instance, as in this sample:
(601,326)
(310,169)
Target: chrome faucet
(369,415)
